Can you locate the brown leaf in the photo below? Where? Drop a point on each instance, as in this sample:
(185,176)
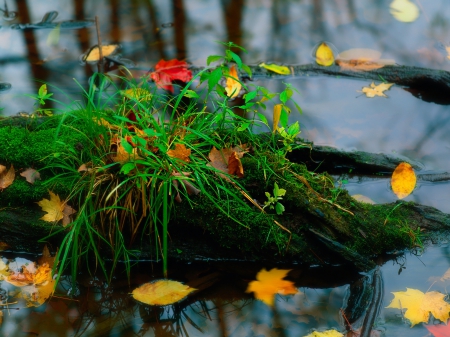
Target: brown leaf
(87,167)
(6,176)
(235,165)
(31,175)
(46,257)
(218,159)
(67,212)
(180,152)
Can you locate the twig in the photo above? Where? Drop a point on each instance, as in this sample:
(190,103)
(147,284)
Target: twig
(99,44)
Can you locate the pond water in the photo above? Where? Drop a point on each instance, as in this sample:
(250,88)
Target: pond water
(334,113)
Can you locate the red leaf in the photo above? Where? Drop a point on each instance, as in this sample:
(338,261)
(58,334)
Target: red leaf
(439,330)
(168,71)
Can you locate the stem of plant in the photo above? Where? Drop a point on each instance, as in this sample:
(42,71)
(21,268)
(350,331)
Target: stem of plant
(165,220)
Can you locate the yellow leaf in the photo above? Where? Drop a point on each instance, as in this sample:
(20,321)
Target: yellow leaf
(403,180)
(269,283)
(282,70)
(161,292)
(6,176)
(233,86)
(404,10)
(139,94)
(276,116)
(54,208)
(53,36)
(376,90)
(328,333)
(446,275)
(419,305)
(324,55)
(93,55)
(180,152)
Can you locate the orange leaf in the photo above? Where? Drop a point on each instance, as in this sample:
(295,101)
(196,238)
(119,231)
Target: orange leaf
(269,283)
(31,175)
(235,165)
(403,180)
(168,71)
(233,86)
(6,176)
(180,152)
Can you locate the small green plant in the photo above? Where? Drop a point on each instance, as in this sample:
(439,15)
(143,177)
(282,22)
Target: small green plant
(41,98)
(273,201)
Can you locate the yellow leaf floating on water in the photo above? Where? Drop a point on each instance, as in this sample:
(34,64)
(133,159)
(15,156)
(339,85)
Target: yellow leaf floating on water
(233,86)
(419,305)
(404,10)
(403,180)
(93,55)
(376,90)
(269,283)
(328,333)
(282,70)
(161,292)
(324,55)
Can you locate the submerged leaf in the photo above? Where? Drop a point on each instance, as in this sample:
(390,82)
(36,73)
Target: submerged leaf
(269,283)
(6,176)
(324,55)
(376,90)
(404,10)
(403,180)
(439,330)
(161,292)
(419,305)
(282,70)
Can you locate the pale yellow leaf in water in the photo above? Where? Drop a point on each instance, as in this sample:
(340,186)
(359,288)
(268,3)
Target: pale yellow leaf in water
(327,333)
(282,70)
(53,206)
(419,305)
(276,116)
(404,10)
(233,86)
(161,292)
(6,176)
(447,49)
(359,54)
(363,198)
(3,270)
(403,180)
(269,283)
(324,55)
(376,90)
(36,295)
(53,36)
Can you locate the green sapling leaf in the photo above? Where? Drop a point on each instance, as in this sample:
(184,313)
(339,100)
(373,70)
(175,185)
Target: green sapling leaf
(279,208)
(213,58)
(126,145)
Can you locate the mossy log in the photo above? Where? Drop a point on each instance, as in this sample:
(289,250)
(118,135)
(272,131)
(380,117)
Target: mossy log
(321,224)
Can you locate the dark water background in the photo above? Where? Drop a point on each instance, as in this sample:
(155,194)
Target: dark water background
(334,113)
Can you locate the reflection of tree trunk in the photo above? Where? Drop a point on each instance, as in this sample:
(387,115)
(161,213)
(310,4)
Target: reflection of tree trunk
(83,34)
(115,29)
(179,18)
(33,56)
(233,18)
(155,30)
